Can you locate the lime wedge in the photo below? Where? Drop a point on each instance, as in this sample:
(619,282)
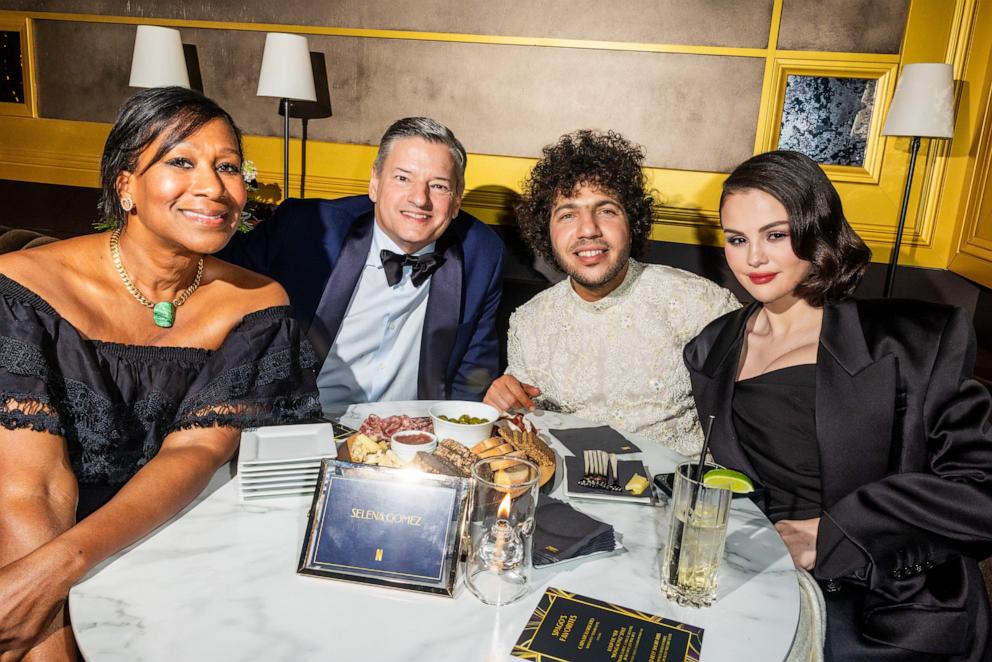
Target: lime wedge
(728,479)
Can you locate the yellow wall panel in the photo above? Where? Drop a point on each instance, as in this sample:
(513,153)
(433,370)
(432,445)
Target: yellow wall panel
(972,158)
(68,152)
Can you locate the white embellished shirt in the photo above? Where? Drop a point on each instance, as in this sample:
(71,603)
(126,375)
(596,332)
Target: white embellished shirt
(618,361)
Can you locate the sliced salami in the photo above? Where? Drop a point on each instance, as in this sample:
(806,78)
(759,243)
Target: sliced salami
(380,428)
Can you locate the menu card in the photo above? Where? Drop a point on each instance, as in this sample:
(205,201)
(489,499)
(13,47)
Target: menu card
(568,626)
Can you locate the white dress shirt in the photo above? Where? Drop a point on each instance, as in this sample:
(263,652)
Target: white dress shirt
(376,354)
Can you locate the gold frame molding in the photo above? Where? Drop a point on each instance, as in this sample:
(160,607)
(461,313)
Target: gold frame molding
(883,74)
(22,25)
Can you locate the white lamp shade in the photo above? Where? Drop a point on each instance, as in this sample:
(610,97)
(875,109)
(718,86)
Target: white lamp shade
(286,71)
(158,59)
(923,104)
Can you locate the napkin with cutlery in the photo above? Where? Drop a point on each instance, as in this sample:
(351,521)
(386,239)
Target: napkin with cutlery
(602,438)
(577,483)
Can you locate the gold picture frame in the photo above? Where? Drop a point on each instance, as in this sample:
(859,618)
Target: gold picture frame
(883,76)
(27,107)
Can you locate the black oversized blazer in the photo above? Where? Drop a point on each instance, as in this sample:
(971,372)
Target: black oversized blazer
(906,469)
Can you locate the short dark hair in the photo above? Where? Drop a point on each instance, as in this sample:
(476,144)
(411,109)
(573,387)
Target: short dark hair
(820,233)
(433,132)
(605,160)
(177,112)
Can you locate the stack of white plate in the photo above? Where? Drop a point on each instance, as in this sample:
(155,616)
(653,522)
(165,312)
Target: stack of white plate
(282,460)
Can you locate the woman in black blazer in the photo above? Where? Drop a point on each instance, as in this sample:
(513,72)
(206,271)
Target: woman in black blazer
(860,417)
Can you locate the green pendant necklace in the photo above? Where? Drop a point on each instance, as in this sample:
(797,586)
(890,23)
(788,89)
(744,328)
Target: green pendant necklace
(163,312)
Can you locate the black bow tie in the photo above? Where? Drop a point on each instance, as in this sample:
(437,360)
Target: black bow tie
(423,266)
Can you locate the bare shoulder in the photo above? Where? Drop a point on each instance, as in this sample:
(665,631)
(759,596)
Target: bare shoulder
(33,267)
(244,290)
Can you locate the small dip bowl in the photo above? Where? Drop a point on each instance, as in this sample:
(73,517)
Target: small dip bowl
(407,443)
(467,434)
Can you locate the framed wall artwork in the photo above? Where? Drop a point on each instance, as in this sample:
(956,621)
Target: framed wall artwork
(16,76)
(832,112)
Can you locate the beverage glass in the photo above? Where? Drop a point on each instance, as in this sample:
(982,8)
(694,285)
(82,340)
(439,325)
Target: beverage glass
(501,529)
(697,532)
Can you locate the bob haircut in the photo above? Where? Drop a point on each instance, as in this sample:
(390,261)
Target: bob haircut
(820,233)
(604,160)
(173,113)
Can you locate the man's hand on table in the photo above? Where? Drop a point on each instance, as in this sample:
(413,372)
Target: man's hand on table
(507,393)
(799,536)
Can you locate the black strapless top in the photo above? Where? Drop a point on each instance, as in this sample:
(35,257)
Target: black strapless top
(775,418)
(115,403)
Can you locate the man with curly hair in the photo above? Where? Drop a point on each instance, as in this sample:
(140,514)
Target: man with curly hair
(605,343)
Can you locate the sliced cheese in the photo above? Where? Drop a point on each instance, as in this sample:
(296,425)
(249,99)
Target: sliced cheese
(502,449)
(486,444)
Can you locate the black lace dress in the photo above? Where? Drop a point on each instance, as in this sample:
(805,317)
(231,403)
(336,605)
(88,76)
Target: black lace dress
(114,403)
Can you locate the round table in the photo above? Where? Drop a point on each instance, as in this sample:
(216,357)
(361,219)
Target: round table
(219,582)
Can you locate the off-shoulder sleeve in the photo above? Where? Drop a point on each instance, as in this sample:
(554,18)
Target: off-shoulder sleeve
(263,374)
(28,364)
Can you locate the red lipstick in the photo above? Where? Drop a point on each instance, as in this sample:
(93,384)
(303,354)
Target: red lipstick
(760,278)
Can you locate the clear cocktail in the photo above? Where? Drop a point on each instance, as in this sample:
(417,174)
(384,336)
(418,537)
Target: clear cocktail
(697,532)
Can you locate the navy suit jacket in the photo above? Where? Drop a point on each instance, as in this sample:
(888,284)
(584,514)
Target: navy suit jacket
(905,471)
(316,250)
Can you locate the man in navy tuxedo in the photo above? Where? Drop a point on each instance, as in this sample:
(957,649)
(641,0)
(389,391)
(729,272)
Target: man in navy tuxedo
(398,290)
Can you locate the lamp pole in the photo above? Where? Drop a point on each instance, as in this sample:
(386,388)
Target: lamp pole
(890,273)
(287,75)
(285,148)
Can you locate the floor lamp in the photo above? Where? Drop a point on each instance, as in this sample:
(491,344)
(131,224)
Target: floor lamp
(286,74)
(158,59)
(922,107)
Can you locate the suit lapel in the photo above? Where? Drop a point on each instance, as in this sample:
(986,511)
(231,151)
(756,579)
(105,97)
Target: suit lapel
(854,404)
(444,306)
(719,373)
(340,286)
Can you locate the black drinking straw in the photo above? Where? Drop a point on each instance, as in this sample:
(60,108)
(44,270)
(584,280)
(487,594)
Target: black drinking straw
(702,463)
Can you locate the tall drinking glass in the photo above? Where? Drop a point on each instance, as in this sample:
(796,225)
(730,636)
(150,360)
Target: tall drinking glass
(696,536)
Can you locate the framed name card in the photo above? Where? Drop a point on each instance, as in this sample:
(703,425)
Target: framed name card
(392,527)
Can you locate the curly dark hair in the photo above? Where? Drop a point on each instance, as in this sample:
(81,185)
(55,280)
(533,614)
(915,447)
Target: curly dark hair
(605,160)
(819,230)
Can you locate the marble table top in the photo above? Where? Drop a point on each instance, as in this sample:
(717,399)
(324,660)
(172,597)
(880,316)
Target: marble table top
(219,582)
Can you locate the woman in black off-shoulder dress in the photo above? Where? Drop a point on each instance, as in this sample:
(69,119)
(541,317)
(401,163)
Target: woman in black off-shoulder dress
(115,410)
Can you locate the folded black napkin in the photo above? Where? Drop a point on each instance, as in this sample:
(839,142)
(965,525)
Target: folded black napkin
(575,471)
(602,438)
(562,533)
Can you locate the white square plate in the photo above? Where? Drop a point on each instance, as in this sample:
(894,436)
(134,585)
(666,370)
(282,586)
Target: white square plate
(310,476)
(277,487)
(261,470)
(286,444)
(306,491)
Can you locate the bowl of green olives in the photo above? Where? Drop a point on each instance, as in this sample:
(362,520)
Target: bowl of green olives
(464,421)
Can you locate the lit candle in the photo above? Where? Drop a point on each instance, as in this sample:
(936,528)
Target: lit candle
(502,531)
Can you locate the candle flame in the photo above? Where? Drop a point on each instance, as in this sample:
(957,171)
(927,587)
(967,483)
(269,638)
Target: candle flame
(504,507)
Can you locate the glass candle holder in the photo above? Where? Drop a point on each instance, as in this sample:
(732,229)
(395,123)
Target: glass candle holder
(501,528)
